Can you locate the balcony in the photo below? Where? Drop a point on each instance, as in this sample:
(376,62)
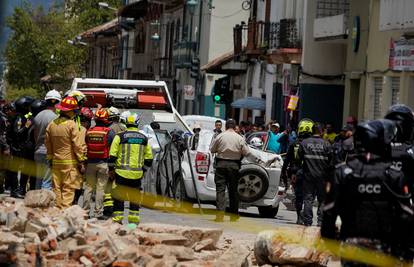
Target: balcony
(263,38)
(331,22)
(331,28)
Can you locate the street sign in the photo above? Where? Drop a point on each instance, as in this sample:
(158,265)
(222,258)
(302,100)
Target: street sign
(189,92)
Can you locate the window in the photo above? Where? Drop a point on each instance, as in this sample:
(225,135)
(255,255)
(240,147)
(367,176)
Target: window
(125,52)
(395,90)
(377,97)
(327,8)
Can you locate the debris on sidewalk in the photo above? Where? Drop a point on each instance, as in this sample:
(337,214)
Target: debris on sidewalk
(35,233)
(292,246)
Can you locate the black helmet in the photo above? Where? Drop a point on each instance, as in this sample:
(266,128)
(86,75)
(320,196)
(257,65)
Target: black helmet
(23,104)
(37,106)
(375,136)
(403,116)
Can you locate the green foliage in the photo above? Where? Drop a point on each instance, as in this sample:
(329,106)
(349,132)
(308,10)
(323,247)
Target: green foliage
(14,93)
(39,47)
(89,14)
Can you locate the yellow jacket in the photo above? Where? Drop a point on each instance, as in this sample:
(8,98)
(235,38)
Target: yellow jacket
(64,142)
(130,150)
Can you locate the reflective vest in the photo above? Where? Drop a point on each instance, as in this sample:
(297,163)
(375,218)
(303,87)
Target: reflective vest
(130,148)
(97,142)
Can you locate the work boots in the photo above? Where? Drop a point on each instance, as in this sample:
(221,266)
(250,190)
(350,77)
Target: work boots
(299,219)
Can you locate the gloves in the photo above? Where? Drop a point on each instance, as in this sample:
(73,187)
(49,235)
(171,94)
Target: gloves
(81,167)
(111,174)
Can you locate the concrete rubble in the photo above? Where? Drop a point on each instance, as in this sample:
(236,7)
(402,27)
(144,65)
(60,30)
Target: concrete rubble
(35,233)
(291,246)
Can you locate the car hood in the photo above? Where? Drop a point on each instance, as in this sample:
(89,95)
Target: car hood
(268,159)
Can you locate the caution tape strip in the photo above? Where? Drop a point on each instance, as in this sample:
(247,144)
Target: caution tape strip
(149,200)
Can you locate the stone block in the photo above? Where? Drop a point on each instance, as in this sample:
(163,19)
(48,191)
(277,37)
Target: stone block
(39,198)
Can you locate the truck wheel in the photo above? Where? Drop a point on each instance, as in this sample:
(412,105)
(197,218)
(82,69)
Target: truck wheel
(268,211)
(253,184)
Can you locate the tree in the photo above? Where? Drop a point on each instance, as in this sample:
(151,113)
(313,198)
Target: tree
(89,14)
(38,47)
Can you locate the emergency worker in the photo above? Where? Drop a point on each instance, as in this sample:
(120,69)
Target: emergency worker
(230,148)
(17,136)
(4,147)
(316,155)
(40,123)
(370,195)
(292,166)
(85,118)
(98,140)
(130,155)
(114,118)
(66,150)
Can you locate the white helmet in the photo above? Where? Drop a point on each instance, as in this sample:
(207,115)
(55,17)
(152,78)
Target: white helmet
(133,119)
(113,112)
(124,115)
(256,142)
(53,94)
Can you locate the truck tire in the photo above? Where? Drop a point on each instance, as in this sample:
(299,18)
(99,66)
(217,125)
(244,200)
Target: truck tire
(253,184)
(268,211)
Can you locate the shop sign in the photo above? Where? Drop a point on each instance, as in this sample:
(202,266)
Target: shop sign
(401,55)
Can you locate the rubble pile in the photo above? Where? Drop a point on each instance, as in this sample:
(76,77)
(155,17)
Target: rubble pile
(35,233)
(292,246)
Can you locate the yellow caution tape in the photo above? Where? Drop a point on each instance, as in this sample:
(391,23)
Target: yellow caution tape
(152,201)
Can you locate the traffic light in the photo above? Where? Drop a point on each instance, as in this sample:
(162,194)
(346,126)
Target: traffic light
(221,92)
(195,68)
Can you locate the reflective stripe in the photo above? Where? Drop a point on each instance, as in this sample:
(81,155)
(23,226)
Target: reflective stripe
(140,156)
(65,161)
(316,157)
(133,219)
(123,152)
(117,218)
(127,168)
(128,154)
(108,204)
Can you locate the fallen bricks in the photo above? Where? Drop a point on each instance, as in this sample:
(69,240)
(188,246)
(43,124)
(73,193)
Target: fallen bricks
(35,233)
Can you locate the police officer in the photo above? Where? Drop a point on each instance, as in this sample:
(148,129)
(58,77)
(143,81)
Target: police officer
(230,148)
(292,164)
(369,193)
(316,155)
(98,140)
(130,155)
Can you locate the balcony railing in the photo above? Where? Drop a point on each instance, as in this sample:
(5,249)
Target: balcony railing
(259,37)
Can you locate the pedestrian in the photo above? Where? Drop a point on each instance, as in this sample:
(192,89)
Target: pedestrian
(114,118)
(98,140)
(343,146)
(17,138)
(292,167)
(369,194)
(229,148)
(66,152)
(315,154)
(218,125)
(274,135)
(329,134)
(195,137)
(130,156)
(40,123)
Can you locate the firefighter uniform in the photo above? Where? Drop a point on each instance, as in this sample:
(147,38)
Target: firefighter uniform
(98,140)
(130,152)
(66,150)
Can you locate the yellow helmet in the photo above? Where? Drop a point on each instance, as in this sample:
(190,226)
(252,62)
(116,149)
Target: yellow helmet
(78,95)
(305,126)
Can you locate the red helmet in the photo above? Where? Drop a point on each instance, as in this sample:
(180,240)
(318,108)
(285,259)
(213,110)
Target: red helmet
(102,115)
(86,113)
(68,103)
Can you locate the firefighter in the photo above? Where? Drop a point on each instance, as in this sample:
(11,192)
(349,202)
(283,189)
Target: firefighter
(98,140)
(130,155)
(114,118)
(66,152)
(17,136)
(292,166)
(85,118)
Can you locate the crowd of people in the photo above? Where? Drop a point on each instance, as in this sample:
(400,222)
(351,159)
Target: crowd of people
(75,150)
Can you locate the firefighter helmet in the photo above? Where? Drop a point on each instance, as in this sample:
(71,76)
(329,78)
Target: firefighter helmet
(68,103)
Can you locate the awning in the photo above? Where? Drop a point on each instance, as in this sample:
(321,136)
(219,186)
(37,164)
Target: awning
(225,64)
(109,27)
(254,103)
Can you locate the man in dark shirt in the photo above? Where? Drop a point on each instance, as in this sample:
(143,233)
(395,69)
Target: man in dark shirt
(315,154)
